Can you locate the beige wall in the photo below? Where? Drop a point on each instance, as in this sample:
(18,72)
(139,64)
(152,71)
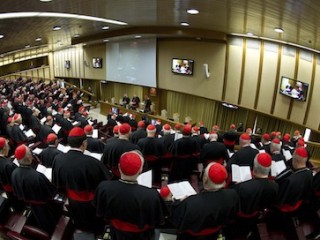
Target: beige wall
(243,72)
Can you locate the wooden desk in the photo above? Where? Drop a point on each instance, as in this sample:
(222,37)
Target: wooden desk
(105,109)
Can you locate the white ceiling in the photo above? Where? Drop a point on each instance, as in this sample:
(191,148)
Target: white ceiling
(299,19)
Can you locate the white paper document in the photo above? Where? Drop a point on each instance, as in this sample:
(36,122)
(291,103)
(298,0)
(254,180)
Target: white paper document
(37,151)
(287,154)
(45,171)
(63,148)
(29,133)
(181,189)
(145,179)
(97,156)
(230,154)
(76,123)
(95,133)
(240,173)
(56,128)
(277,167)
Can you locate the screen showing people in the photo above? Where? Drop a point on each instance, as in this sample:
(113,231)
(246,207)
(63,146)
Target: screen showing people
(294,88)
(182,66)
(97,62)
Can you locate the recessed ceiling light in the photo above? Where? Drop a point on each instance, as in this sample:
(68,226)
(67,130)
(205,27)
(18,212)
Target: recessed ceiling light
(76,35)
(45,0)
(184,24)
(278,30)
(138,36)
(104,27)
(1,36)
(250,34)
(192,11)
(38,39)
(27,46)
(106,40)
(56,28)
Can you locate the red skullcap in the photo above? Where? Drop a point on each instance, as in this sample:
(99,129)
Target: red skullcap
(177,126)
(302,152)
(85,114)
(76,132)
(116,129)
(51,137)
(81,109)
(124,128)
(217,173)
(164,191)
(232,126)
(20,152)
(88,128)
(159,120)
(286,138)
(273,133)
(300,143)
(166,127)
(130,163)
(296,132)
(276,141)
(266,136)
(187,129)
(151,128)
(215,127)
(2,142)
(245,136)
(195,129)
(278,133)
(141,124)
(16,116)
(9,120)
(264,159)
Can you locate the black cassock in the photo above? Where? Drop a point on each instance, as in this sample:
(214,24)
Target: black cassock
(95,145)
(47,156)
(113,151)
(133,210)
(79,175)
(201,216)
(36,190)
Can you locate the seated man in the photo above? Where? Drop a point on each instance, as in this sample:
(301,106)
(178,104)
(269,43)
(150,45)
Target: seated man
(201,216)
(133,210)
(295,185)
(48,154)
(36,190)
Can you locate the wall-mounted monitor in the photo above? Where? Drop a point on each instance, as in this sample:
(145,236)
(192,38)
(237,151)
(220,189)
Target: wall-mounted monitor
(115,110)
(97,62)
(293,88)
(67,64)
(182,66)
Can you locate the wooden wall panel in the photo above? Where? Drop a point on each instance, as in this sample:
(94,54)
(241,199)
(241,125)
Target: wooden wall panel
(251,72)
(90,52)
(288,63)
(268,78)
(304,75)
(313,118)
(234,71)
(201,52)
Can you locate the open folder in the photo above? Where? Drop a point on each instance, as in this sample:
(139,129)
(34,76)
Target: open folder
(240,173)
(181,189)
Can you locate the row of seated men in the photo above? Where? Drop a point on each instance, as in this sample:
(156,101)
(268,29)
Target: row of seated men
(134,211)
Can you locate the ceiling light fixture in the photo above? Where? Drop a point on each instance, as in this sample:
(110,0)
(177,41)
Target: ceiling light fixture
(45,0)
(278,30)
(58,15)
(38,39)
(56,28)
(104,27)
(192,11)
(1,36)
(138,36)
(250,34)
(106,40)
(76,35)
(184,24)
(27,46)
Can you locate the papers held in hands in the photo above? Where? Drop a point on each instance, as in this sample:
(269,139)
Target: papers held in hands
(45,171)
(181,190)
(277,167)
(145,179)
(95,133)
(240,173)
(37,151)
(56,128)
(62,148)
(287,154)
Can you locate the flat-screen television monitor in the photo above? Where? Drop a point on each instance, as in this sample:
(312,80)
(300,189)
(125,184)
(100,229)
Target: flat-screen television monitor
(67,64)
(115,110)
(294,88)
(97,62)
(182,66)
